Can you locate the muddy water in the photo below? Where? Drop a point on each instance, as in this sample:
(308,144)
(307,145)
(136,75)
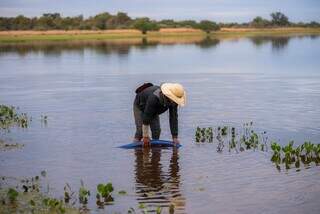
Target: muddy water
(87,88)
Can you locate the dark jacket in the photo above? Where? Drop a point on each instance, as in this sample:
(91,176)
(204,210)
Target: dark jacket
(152,102)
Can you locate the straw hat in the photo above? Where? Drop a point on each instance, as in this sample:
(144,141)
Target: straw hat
(175,92)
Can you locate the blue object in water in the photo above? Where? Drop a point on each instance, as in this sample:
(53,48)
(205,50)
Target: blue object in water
(153,143)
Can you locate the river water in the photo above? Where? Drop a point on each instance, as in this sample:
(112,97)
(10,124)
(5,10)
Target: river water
(87,88)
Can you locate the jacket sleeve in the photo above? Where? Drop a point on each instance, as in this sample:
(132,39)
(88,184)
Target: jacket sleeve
(173,120)
(149,111)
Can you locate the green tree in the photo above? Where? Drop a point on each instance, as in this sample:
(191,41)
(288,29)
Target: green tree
(168,23)
(144,25)
(122,19)
(21,23)
(279,19)
(48,21)
(313,24)
(260,22)
(100,20)
(208,26)
(188,23)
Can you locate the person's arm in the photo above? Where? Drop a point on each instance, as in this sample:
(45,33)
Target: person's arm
(173,120)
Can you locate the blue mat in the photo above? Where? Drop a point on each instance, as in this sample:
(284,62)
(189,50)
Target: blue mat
(154,143)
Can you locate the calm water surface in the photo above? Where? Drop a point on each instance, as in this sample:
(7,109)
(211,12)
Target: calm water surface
(87,90)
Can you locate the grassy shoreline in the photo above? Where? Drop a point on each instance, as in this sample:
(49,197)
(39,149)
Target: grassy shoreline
(60,35)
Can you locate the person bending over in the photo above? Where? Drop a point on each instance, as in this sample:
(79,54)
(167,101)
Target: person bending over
(151,101)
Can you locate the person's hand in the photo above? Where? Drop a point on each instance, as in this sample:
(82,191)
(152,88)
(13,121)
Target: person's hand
(136,139)
(146,142)
(176,141)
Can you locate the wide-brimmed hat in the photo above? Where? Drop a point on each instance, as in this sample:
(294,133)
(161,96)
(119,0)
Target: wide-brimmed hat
(175,92)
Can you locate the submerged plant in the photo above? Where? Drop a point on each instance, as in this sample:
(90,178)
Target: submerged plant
(224,131)
(105,190)
(288,155)
(12,195)
(84,194)
(68,194)
(204,135)
(9,117)
(55,205)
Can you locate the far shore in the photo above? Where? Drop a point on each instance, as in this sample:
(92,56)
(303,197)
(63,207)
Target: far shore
(62,35)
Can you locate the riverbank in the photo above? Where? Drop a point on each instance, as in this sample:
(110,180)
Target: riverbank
(61,35)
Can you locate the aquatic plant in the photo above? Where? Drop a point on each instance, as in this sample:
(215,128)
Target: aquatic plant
(224,131)
(204,135)
(9,117)
(5,146)
(249,139)
(55,205)
(27,197)
(12,195)
(84,194)
(122,192)
(69,194)
(105,190)
(287,155)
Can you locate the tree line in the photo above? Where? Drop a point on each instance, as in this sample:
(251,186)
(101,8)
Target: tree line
(103,21)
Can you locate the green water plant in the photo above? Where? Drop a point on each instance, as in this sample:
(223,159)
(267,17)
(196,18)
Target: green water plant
(105,191)
(204,135)
(122,192)
(291,156)
(248,139)
(84,194)
(224,131)
(5,146)
(55,205)
(69,194)
(12,195)
(9,117)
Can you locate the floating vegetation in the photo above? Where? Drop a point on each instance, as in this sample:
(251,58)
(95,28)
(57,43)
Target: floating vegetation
(288,156)
(25,196)
(247,139)
(69,195)
(236,140)
(9,117)
(122,192)
(84,195)
(9,146)
(204,135)
(104,196)
(12,194)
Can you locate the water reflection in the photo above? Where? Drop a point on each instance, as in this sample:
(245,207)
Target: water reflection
(116,47)
(208,43)
(122,47)
(154,185)
(277,43)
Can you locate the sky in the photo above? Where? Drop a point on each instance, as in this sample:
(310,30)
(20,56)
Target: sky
(216,10)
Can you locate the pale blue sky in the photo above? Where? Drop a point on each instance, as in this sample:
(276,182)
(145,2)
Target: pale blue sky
(217,10)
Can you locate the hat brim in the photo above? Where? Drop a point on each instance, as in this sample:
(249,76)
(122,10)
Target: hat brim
(165,88)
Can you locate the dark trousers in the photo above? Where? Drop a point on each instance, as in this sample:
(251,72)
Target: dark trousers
(154,124)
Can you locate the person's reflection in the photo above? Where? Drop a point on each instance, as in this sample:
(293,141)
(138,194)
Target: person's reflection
(154,185)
